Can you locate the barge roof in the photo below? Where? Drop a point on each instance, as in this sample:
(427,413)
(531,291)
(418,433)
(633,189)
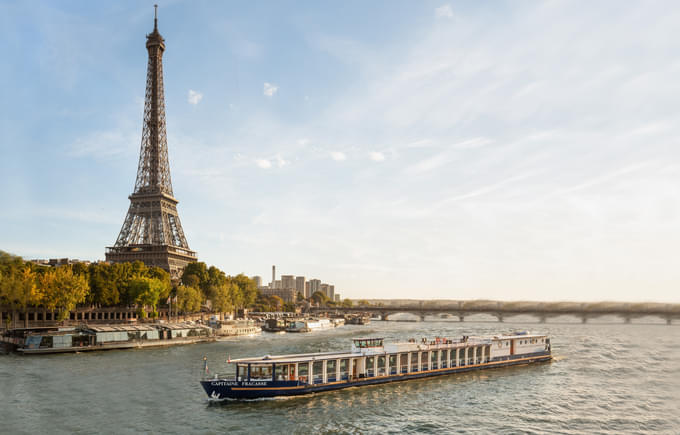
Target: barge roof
(302,357)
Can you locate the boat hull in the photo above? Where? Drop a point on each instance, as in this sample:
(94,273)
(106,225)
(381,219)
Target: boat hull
(231,389)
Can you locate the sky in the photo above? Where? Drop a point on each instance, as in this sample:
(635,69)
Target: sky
(512,150)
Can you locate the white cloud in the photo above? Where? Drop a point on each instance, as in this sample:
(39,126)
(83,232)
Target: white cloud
(280,161)
(263,163)
(269,89)
(194,97)
(338,156)
(376,156)
(444,11)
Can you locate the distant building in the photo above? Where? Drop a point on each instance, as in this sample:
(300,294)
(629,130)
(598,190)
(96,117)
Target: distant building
(300,285)
(258,281)
(59,261)
(287,294)
(337,297)
(287,281)
(307,292)
(314,286)
(277,284)
(328,290)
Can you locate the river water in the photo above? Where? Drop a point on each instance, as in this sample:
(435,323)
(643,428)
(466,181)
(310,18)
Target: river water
(606,378)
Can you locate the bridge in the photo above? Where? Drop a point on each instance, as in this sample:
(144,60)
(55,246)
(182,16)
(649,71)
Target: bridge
(503,310)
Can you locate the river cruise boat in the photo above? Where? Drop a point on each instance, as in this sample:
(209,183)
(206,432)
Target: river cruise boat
(309,325)
(371,361)
(358,319)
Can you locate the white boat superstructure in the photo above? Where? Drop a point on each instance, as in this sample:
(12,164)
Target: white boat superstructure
(371,361)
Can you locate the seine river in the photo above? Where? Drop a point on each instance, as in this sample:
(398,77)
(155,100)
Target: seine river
(607,378)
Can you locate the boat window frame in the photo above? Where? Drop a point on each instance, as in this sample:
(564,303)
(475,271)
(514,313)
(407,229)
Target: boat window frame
(415,365)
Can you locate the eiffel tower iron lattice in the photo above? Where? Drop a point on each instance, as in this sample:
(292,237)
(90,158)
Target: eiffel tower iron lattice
(152,231)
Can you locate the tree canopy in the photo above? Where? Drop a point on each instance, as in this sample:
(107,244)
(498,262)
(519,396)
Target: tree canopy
(24,285)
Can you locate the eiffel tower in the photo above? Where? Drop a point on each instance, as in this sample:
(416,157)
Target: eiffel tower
(152,232)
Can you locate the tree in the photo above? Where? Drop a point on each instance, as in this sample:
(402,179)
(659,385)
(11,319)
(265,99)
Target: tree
(200,271)
(25,292)
(222,297)
(363,303)
(247,291)
(104,285)
(191,281)
(347,303)
(10,267)
(63,290)
(216,279)
(299,297)
(319,298)
(276,302)
(164,277)
(147,292)
(188,299)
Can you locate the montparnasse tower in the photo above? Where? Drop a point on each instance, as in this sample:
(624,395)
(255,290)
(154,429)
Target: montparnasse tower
(152,232)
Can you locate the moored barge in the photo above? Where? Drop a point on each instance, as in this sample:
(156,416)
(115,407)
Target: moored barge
(371,361)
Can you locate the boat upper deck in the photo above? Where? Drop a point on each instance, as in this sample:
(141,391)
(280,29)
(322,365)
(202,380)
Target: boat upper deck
(376,346)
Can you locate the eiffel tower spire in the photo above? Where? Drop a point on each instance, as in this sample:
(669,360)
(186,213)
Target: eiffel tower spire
(152,231)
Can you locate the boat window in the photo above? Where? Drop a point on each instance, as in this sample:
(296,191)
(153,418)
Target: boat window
(331,366)
(318,371)
(414,362)
(282,372)
(393,364)
(371,342)
(370,361)
(381,366)
(241,371)
(261,372)
(403,362)
(423,360)
(433,360)
(303,371)
(344,369)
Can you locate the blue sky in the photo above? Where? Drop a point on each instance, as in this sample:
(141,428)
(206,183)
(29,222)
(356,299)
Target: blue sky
(508,150)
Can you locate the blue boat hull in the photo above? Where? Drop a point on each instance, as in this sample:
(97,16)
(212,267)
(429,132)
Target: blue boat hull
(232,389)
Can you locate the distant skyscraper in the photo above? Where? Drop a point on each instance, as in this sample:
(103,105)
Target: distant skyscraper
(258,280)
(273,276)
(314,286)
(300,284)
(307,292)
(288,281)
(323,288)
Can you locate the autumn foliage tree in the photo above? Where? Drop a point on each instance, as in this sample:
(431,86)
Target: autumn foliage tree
(62,290)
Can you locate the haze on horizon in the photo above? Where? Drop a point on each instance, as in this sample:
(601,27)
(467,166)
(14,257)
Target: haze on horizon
(451,150)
